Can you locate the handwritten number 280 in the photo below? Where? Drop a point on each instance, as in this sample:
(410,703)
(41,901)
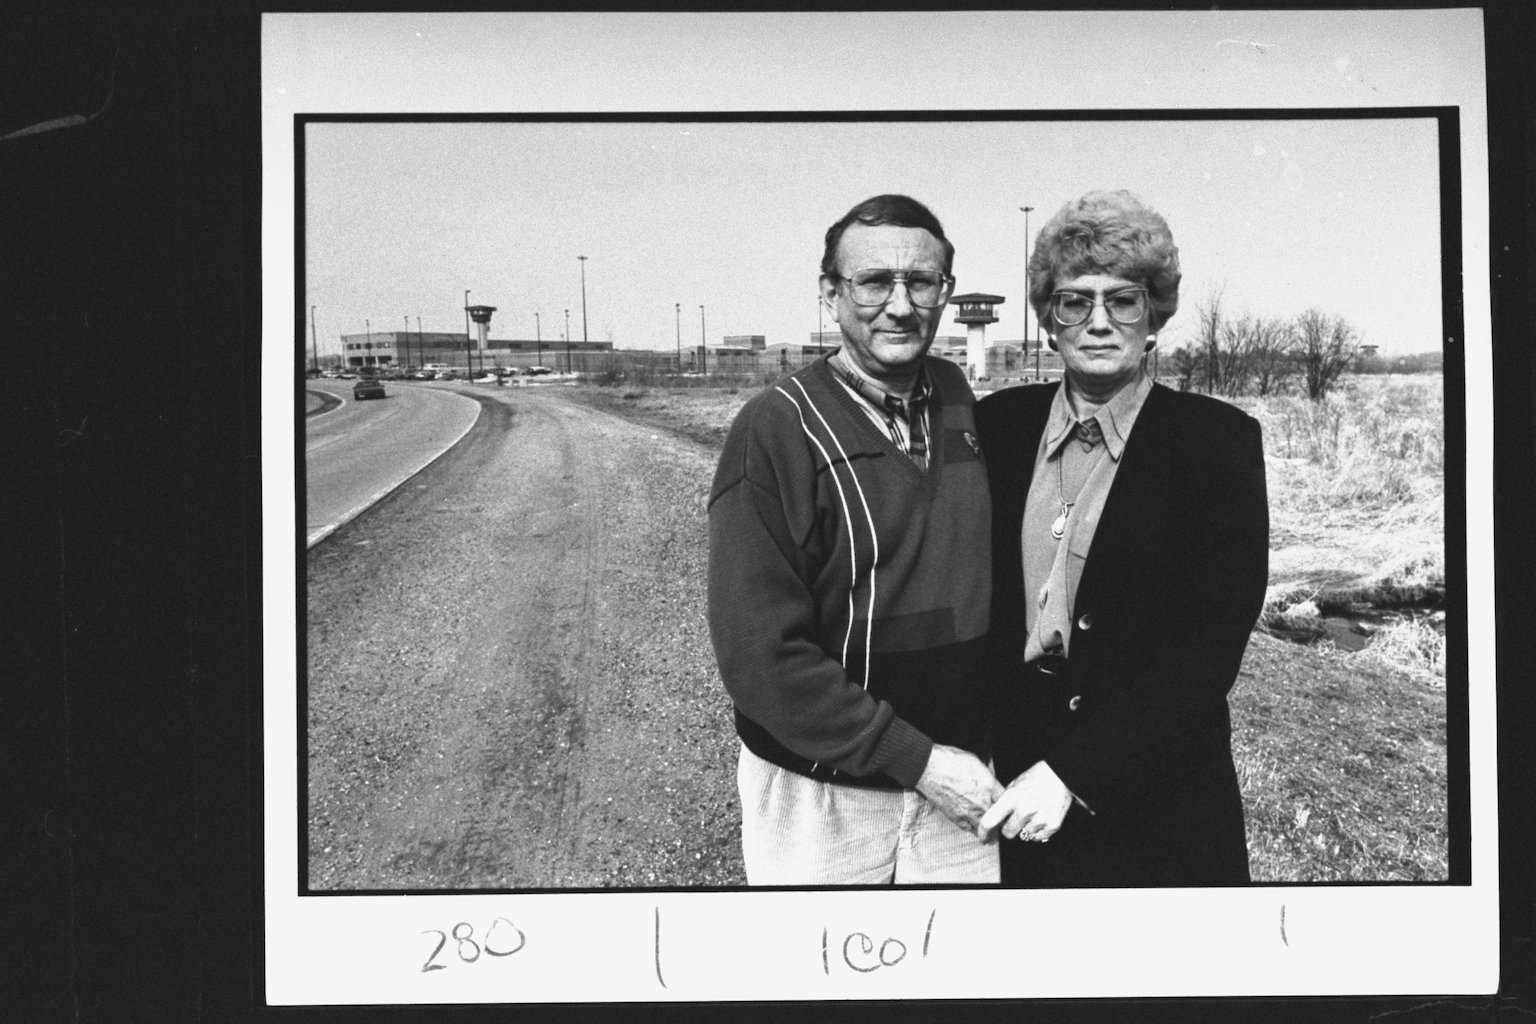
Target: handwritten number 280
(469,950)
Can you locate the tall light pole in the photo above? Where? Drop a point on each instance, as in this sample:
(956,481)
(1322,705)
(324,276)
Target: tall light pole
(821,325)
(583,260)
(421,346)
(567,341)
(538,341)
(1027,210)
(468,356)
(314,343)
(678,309)
(368,349)
(703,343)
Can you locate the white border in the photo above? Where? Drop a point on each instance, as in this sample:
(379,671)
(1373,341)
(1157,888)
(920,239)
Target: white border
(758,945)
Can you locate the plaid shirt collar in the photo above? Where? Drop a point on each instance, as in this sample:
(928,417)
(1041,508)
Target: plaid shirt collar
(867,389)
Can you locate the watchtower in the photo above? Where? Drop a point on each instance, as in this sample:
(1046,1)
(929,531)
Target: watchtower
(481,315)
(976,313)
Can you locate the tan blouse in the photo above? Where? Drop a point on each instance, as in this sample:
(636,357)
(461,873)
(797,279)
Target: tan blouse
(1075,467)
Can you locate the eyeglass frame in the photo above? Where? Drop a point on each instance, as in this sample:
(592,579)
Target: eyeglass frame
(899,276)
(1098,299)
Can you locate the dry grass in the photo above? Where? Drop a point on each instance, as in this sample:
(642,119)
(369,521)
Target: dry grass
(702,413)
(1342,763)
(1356,487)
(1341,756)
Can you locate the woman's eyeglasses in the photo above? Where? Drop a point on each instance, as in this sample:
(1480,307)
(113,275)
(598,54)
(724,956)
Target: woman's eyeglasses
(1126,306)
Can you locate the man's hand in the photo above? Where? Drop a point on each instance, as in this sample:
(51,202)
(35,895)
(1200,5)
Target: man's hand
(960,785)
(1032,807)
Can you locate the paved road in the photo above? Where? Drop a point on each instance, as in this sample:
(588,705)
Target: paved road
(357,452)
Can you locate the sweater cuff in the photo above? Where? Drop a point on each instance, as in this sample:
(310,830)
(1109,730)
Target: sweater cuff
(903,752)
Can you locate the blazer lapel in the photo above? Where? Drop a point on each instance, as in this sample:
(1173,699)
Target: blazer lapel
(1011,438)
(1137,504)
(1022,455)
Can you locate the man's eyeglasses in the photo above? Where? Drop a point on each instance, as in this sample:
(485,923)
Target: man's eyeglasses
(925,288)
(1126,306)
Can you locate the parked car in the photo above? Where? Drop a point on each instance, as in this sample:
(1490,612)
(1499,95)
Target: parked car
(539,371)
(370,387)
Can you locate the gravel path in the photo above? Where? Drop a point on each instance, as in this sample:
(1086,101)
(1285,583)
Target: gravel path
(510,679)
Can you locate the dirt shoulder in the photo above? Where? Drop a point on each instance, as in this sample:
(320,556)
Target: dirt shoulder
(510,681)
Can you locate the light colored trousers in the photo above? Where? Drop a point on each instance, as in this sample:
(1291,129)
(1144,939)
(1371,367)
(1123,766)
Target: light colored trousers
(799,831)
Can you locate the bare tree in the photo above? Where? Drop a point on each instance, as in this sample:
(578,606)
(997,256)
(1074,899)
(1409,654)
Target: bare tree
(1186,366)
(1270,346)
(1208,336)
(1325,349)
(1234,368)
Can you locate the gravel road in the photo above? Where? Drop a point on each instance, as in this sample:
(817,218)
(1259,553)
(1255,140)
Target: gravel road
(510,682)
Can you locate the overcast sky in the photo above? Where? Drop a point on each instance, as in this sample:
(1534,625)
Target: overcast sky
(1280,214)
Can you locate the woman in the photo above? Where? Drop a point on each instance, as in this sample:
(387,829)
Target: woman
(1130,555)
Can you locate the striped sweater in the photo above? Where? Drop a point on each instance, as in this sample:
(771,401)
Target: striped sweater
(848,589)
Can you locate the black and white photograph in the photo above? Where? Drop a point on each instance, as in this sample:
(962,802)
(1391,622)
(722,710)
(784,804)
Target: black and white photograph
(510,676)
(704,510)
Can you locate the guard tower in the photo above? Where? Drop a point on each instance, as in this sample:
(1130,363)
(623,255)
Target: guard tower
(976,313)
(481,315)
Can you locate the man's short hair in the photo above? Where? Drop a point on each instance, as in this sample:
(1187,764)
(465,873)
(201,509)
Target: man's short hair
(898,210)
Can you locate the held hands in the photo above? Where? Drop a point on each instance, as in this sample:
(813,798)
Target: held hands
(961,786)
(1031,808)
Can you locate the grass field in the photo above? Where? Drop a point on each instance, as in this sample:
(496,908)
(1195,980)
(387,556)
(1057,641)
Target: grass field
(1341,755)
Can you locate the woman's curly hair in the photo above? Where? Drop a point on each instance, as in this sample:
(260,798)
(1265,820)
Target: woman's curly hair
(1107,232)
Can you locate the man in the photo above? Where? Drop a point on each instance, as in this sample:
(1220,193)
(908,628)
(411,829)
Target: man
(848,594)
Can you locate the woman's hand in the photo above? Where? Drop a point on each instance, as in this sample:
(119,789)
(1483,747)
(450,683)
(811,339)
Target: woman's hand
(1032,807)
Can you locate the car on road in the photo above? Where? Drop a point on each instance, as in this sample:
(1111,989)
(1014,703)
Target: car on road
(370,387)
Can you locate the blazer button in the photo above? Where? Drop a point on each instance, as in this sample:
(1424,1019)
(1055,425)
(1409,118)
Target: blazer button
(1085,621)
(1074,702)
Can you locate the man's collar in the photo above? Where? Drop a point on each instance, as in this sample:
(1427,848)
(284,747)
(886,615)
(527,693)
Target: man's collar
(845,369)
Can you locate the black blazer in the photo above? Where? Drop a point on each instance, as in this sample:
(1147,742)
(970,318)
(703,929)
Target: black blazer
(1137,725)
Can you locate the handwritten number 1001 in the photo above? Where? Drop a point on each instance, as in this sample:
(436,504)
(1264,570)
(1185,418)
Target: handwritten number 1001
(469,950)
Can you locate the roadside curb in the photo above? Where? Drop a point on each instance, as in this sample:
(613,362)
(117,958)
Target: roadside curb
(367,503)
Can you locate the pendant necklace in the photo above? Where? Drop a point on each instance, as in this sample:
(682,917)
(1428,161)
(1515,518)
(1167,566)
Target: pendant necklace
(1059,527)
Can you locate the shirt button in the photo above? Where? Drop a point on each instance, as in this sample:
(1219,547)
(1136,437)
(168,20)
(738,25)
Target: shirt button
(1085,621)
(1073,703)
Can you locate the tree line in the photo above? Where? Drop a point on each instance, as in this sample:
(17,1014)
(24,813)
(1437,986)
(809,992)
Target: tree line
(1243,354)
